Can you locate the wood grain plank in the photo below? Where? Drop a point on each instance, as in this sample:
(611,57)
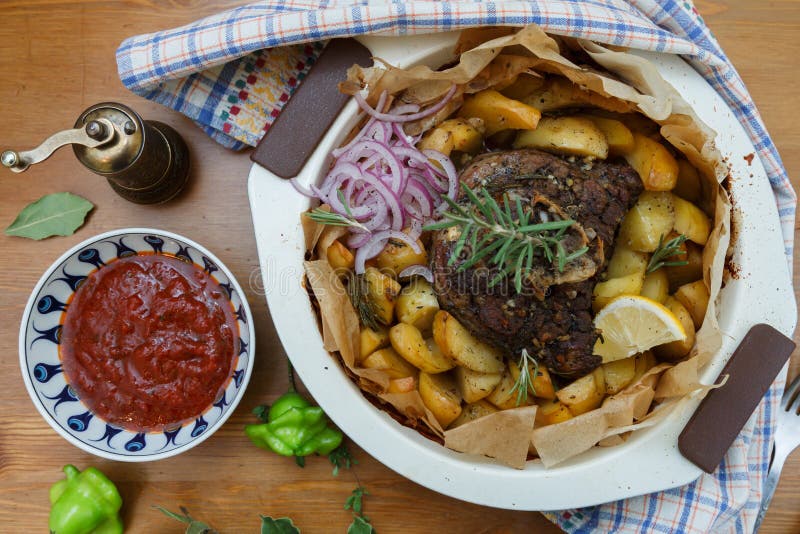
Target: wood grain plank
(57,57)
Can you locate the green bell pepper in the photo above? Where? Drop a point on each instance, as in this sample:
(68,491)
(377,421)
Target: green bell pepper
(295,428)
(85,503)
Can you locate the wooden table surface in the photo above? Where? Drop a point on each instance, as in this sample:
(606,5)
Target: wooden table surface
(56,59)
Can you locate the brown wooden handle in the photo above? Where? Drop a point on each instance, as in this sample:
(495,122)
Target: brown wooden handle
(720,417)
(311,110)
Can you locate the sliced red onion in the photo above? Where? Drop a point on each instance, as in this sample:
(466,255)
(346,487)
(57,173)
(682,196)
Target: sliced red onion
(367,251)
(366,131)
(392,201)
(415,229)
(404,109)
(449,170)
(417,270)
(380,179)
(389,117)
(376,243)
(300,188)
(358,239)
(420,193)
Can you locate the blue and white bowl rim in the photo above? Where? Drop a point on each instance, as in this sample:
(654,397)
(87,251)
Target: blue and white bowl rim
(236,385)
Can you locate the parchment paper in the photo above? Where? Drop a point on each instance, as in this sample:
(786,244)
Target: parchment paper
(620,82)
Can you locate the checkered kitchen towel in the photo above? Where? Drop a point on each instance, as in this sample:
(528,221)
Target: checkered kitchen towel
(233,72)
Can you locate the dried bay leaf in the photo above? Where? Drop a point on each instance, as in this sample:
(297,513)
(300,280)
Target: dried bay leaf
(282,525)
(54,214)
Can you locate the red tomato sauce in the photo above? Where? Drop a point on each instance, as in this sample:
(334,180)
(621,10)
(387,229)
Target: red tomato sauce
(148,341)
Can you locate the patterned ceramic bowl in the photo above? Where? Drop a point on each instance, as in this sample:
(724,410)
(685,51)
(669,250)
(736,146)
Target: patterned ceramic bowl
(40,335)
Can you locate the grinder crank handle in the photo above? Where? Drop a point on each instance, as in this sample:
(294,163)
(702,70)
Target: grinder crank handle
(93,134)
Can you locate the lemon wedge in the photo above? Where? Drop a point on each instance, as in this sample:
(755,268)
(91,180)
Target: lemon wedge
(632,324)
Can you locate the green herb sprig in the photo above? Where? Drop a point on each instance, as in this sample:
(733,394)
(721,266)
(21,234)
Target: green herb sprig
(505,236)
(355,502)
(358,291)
(524,381)
(664,251)
(336,219)
(269,525)
(340,457)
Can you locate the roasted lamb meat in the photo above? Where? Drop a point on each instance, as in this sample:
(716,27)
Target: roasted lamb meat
(551,317)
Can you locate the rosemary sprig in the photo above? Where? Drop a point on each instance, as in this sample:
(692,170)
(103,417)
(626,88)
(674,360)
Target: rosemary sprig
(358,291)
(505,236)
(664,251)
(336,219)
(524,381)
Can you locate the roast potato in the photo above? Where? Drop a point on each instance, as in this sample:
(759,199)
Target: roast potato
(523,87)
(656,286)
(618,374)
(382,291)
(473,411)
(453,135)
(390,362)
(559,93)
(688,186)
(571,136)
(372,340)
(642,363)
(339,256)
(457,343)
(440,396)
(676,350)
(585,393)
(417,304)
(475,386)
(694,297)
(605,292)
(679,275)
(691,221)
(541,384)
(551,412)
(625,261)
(408,342)
(402,385)
(657,168)
(499,112)
(397,255)
(618,136)
(650,219)
(504,396)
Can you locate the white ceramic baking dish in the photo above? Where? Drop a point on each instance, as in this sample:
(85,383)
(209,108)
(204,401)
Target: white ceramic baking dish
(649,461)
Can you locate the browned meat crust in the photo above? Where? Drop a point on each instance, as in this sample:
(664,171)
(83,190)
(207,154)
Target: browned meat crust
(556,329)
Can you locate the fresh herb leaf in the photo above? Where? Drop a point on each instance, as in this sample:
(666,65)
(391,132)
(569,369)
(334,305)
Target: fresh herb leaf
(341,457)
(355,501)
(269,525)
(262,412)
(358,291)
(360,525)
(300,461)
(198,527)
(666,250)
(182,518)
(54,214)
(335,219)
(282,525)
(194,526)
(524,381)
(340,196)
(507,234)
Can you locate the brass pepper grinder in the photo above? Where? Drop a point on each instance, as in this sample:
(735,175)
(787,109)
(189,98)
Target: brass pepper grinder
(144,161)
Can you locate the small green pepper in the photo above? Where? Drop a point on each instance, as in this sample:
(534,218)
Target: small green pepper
(85,503)
(295,428)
